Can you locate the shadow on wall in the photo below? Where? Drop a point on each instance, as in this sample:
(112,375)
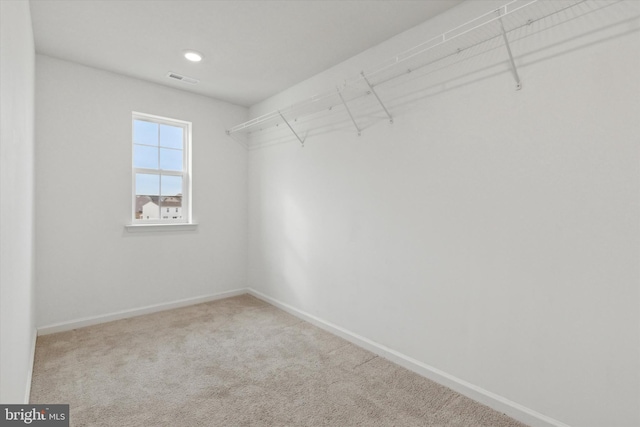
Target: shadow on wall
(586,24)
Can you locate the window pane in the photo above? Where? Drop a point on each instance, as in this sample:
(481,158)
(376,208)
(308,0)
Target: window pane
(147,184)
(145,132)
(171,185)
(170,159)
(171,136)
(145,157)
(147,196)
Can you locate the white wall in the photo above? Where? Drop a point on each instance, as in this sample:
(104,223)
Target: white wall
(17,67)
(489,233)
(88,264)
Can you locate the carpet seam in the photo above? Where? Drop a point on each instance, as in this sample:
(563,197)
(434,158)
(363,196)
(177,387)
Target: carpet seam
(366,361)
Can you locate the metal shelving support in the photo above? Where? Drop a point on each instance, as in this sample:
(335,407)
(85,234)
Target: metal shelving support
(490,27)
(514,70)
(294,132)
(373,91)
(349,111)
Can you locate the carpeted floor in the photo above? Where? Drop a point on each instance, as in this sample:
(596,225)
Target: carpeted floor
(236,362)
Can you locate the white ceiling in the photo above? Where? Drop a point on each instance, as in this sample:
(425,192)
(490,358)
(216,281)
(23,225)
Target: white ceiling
(253,49)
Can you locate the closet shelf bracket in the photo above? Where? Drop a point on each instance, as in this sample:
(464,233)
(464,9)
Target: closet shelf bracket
(292,130)
(373,91)
(349,111)
(514,70)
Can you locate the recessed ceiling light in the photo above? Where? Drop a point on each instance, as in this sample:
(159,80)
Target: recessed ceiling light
(193,56)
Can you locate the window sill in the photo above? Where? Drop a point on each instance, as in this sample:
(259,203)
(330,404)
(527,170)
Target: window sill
(135,228)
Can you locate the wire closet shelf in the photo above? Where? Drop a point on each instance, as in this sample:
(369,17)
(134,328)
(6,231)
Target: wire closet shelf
(496,24)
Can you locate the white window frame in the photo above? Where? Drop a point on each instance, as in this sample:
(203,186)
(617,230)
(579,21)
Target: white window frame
(185,173)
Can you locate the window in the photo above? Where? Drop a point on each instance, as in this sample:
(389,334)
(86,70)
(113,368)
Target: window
(161,169)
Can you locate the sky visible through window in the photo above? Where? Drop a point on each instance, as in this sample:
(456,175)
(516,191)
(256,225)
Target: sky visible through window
(159,147)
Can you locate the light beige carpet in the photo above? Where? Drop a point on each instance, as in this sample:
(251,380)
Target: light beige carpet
(236,362)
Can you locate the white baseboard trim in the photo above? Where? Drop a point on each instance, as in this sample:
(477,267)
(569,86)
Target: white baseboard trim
(492,400)
(32,358)
(124,314)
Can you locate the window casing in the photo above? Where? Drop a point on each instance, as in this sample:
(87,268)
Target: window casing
(161,158)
